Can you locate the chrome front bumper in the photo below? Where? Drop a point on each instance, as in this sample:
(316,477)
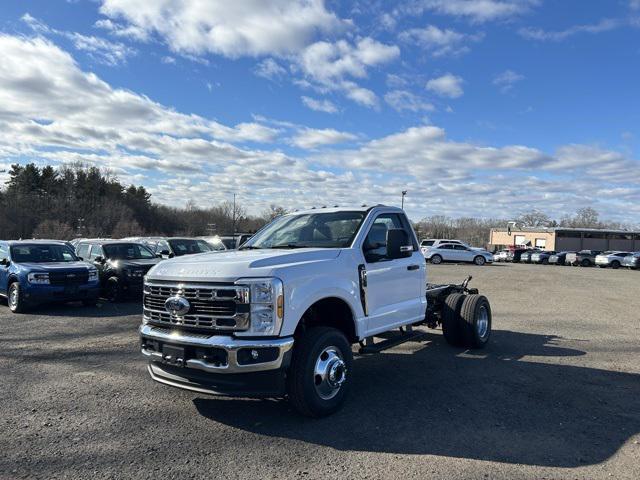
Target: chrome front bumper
(227,343)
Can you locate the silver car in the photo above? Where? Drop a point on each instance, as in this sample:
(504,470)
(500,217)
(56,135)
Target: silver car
(453,252)
(610,259)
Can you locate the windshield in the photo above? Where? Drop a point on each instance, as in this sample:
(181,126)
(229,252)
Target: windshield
(317,230)
(186,246)
(42,253)
(127,251)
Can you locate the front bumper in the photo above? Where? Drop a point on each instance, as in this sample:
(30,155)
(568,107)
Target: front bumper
(216,364)
(35,294)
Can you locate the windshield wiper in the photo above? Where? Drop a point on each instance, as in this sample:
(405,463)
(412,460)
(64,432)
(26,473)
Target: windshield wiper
(249,247)
(289,245)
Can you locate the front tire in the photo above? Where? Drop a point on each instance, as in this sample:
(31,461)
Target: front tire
(615,264)
(480,260)
(113,290)
(319,376)
(585,263)
(436,260)
(14,299)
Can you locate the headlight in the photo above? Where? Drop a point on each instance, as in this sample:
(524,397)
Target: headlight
(38,278)
(93,275)
(266,298)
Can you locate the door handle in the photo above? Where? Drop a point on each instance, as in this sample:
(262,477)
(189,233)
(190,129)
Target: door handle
(413,267)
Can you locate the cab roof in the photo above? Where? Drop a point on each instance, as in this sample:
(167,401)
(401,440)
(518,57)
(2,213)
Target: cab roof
(36,241)
(361,208)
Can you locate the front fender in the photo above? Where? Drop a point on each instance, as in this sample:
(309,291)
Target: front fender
(302,293)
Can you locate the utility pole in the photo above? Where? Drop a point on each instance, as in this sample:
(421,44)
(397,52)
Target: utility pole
(80,226)
(404,192)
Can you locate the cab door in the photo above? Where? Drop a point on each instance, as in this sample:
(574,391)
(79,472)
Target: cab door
(395,292)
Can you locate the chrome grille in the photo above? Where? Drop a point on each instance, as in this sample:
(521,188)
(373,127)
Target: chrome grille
(216,307)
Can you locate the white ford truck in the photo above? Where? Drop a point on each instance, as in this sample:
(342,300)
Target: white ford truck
(280,316)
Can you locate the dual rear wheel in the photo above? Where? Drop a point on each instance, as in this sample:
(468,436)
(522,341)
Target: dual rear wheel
(466,320)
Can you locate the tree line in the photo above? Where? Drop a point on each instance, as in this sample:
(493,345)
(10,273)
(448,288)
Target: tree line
(77,200)
(84,201)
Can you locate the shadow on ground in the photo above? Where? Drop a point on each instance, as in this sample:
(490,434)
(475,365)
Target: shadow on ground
(488,405)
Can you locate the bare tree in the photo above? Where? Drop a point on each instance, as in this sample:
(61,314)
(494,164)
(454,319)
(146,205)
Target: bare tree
(53,229)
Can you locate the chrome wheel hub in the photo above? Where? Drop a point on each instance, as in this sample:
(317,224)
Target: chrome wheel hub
(330,373)
(482,322)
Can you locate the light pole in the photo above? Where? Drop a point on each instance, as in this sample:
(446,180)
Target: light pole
(404,192)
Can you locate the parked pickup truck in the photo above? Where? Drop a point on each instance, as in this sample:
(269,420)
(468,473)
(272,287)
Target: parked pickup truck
(279,316)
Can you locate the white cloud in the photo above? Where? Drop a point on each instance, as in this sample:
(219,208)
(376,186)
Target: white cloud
(404,100)
(506,80)
(270,69)
(477,10)
(440,42)
(54,112)
(310,138)
(331,65)
(447,85)
(603,25)
(249,27)
(100,49)
(324,105)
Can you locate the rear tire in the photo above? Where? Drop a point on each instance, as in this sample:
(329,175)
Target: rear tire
(14,299)
(436,259)
(585,263)
(615,264)
(451,319)
(476,315)
(545,261)
(319,377)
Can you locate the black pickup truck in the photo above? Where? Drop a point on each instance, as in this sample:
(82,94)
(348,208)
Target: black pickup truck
(121,265)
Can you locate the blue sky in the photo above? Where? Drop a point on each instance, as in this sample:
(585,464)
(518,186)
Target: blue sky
(476,107)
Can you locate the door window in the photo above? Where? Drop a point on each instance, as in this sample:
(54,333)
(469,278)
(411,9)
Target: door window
(96,252)
(83,250)
(375,245)
(4,252)
(459,247)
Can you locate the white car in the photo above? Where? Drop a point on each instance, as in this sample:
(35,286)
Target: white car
(501,256)
(436,242)
(610,259)
(454,252)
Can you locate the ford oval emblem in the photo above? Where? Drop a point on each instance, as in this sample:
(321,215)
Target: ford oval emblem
(177,306)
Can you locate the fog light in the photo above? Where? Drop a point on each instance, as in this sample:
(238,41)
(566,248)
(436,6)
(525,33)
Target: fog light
(254,354)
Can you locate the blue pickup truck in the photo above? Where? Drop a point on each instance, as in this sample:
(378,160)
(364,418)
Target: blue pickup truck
(42,271)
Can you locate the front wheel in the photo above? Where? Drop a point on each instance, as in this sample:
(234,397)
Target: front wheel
(480,260)
(585,263)
(436,259)
(615,264)
(320,373)
(113,290)
(15,301)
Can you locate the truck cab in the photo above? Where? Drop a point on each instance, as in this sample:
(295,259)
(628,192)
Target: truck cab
(278,317)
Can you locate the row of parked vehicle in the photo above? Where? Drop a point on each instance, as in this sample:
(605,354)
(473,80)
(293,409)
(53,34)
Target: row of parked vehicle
(583,258)
(33,272)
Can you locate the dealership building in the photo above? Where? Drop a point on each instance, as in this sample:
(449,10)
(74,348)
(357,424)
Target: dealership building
(561,239)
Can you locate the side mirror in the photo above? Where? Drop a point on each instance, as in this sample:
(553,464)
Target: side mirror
(5,262)
(80,258)
(398,244)
(159,255)
(99,260)
(165,253)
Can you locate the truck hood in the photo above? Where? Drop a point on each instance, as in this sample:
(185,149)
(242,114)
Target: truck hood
(55,266)
(233,264)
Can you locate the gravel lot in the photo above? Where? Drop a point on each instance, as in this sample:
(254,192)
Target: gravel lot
(555,395)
